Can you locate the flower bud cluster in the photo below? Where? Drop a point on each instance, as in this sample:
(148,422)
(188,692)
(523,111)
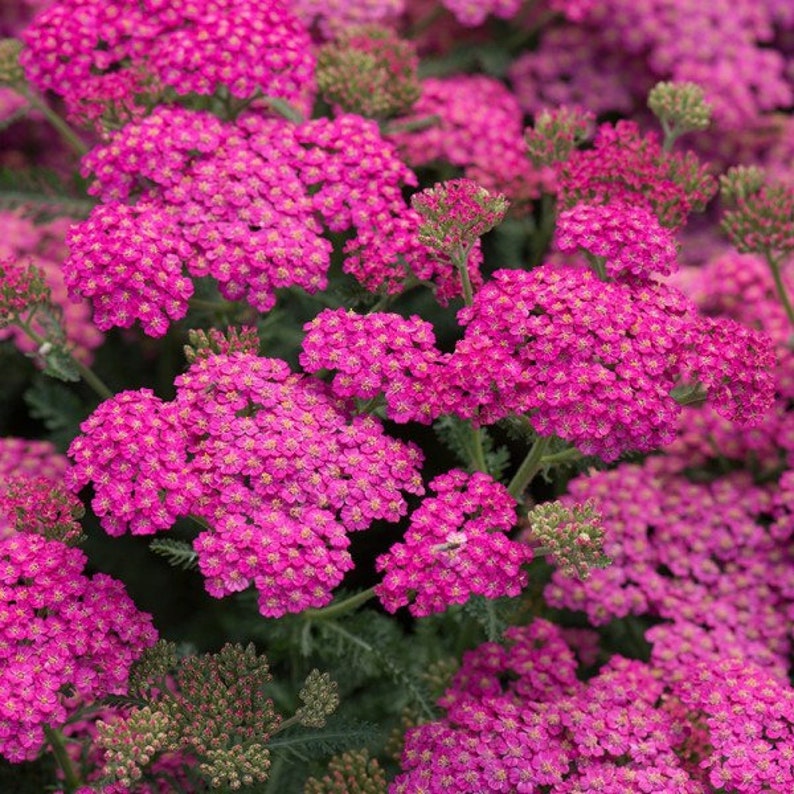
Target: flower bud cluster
(681,107)
(21,288)
(556,134)
(455,214)
(320,696)
(370,71)
(572,535)
(353,772)
(11,72)
(203,344)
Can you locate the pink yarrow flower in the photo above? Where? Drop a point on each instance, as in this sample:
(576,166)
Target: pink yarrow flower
(59,631)
(455,547)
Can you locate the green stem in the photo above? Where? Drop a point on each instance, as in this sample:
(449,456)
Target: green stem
(461,261)
(213,306)
(86,373)
(412,125)
(598,264)
(545,231)
(340,607)
(530,466)
(477,450)
(283,108)
(774,266)
(55,738)
(382,304)
(563,456)
(65,131)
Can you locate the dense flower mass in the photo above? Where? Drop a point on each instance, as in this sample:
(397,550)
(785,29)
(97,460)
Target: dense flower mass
(455,547)
(246,204)
(628,238)
(595,363)
(60,631)
(683,551)
(376,354)
(271,461)
(110,58)
(519,720)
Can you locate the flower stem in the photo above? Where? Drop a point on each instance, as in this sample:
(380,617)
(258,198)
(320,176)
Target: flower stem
(477,451)
(530,466)
(774,266)
(65,131)
(461,261)
(55,738)
(341,607)
(86,373)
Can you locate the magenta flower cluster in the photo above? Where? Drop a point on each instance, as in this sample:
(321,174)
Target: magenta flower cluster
(455,547)
(627,237)
(697,554)
(272,462)
(518,719)
(594,363)
(376,354)
(246,204)
(62,635)
(109,58)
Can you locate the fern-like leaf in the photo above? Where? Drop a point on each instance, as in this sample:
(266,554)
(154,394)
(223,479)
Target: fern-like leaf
(301,744)
(178,553)
(42,195)
(59,408)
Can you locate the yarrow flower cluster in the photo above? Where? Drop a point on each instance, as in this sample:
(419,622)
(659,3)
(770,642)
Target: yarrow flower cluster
(627,238)
(455,214)
(686,552)
(376,354)
(271,461)
(625,166)
(518,719)
(246,204)
(110,58)
(591,362)
(455,547)
(60,631)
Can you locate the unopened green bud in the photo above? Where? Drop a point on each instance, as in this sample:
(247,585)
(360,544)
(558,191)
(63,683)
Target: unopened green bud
(573,537)
(556,134)
(11,72)
(370,71)
(681,107)
(350,773)
(740,182)
(320,697)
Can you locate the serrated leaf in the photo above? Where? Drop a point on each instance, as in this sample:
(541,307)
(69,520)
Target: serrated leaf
(59,408)
(301,744)
(177,553)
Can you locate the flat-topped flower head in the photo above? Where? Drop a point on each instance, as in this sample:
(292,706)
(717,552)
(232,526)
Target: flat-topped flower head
(109,58)
(627,239)
(455,547)
(594,362)
(60,632)
(247,204)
